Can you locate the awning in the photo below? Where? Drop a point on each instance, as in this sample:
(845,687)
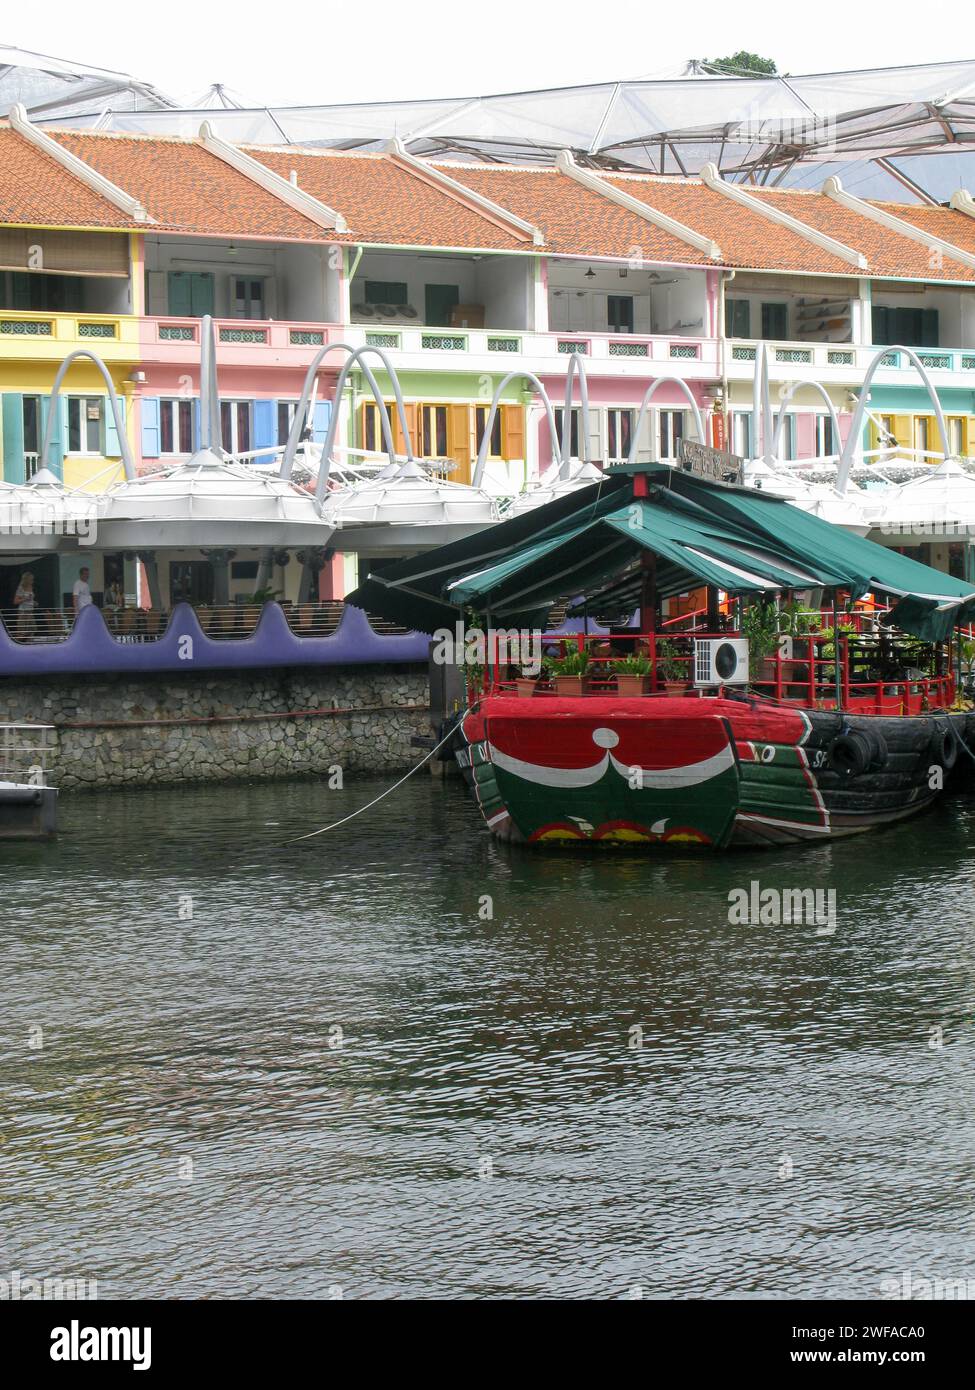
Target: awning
(700,533)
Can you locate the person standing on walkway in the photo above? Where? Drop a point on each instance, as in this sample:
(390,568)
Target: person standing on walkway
(25,602)
(81,593)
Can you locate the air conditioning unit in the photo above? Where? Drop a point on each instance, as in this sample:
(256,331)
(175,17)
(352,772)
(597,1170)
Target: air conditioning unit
(720,661)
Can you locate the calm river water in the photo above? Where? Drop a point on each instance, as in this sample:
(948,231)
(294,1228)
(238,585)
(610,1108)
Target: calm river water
(606,1088)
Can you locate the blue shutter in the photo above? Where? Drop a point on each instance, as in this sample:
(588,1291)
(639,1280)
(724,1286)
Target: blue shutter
(150,427)
(13,437)
(56,456)
(323,413)
(265,428)
(113,449)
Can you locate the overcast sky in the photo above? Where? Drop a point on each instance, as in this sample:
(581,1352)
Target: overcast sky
(296,51)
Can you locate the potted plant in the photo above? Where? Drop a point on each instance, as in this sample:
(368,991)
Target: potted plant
(760,624)
(633,676)
(525,686)
(670,669)
(569,672)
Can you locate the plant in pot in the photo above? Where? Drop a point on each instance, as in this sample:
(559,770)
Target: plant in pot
(633,676)
(670,669)
(568,672)
(525,684)
(760,624)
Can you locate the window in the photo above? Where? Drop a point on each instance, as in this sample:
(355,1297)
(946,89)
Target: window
(575,427)
(787,439)
(246,297)
(235,426)
(286,415)
(911,327)
(32,426)
(826,441)
(84,425)
(190,293)
(737,318)
(190,581)
(433,431)
(775,321)
(956,436)
(386,292)
(923,432)
(741,433)
(495,448)
(372,432)
(619,435)
(619,312)
(176,427)
(671,433)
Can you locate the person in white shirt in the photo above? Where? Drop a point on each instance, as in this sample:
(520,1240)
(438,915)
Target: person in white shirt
(81,594)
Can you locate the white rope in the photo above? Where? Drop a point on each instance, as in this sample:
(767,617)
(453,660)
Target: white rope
(352,815)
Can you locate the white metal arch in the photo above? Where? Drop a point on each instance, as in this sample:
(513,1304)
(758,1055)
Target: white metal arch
(298,422)
(784,411)
(648,396)
(128,462)
(357,359)
(576,366)
(849,448)
(489,426)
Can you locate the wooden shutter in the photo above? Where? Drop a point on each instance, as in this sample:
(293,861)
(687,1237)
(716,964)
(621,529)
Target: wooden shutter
(13,437)
(513,432)
(113,448)
(150,427)
(265,428)
(412,415)
(459,441)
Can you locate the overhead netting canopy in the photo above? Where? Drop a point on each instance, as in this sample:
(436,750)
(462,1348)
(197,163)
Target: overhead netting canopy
(56,88)
(769,129)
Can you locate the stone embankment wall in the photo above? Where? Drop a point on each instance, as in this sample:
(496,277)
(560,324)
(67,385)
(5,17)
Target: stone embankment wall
(162,731)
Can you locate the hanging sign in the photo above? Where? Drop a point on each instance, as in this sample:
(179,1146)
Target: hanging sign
(713,464)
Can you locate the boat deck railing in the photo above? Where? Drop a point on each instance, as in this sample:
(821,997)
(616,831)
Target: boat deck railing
(231,622)
(880,672)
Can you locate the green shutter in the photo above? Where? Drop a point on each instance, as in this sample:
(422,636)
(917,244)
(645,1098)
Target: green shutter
(55,459)
(929,327)
(13,437)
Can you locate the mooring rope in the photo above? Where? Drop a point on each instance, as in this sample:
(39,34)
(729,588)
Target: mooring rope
(352,814)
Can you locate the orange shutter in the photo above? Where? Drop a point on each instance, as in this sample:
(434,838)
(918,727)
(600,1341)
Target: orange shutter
(513,432)
(412,423)
(459,441)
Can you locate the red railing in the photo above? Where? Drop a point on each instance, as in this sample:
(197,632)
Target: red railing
(913,678)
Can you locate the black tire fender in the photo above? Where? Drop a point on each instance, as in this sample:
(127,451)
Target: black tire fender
(943,746)
(852,753)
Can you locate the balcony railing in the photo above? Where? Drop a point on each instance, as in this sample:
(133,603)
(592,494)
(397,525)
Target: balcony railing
(26,333)
(822,359)
(295,343)
(230,622)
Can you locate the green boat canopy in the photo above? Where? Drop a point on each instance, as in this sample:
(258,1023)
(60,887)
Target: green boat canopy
(597,538)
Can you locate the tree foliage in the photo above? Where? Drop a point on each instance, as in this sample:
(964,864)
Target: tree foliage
(742,64)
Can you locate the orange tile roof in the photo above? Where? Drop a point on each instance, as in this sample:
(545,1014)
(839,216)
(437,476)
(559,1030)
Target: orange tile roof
(574,220)
(946,223)
(747,239)
(36,192)
(185,188)
(189,191)
(384,202)
(888,253)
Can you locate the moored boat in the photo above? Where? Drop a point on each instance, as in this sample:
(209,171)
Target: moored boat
(776,722)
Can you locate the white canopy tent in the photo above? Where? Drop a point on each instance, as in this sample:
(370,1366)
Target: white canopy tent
(404,511)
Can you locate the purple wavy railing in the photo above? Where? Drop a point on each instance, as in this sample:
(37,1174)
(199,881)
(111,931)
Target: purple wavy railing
(185,647)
